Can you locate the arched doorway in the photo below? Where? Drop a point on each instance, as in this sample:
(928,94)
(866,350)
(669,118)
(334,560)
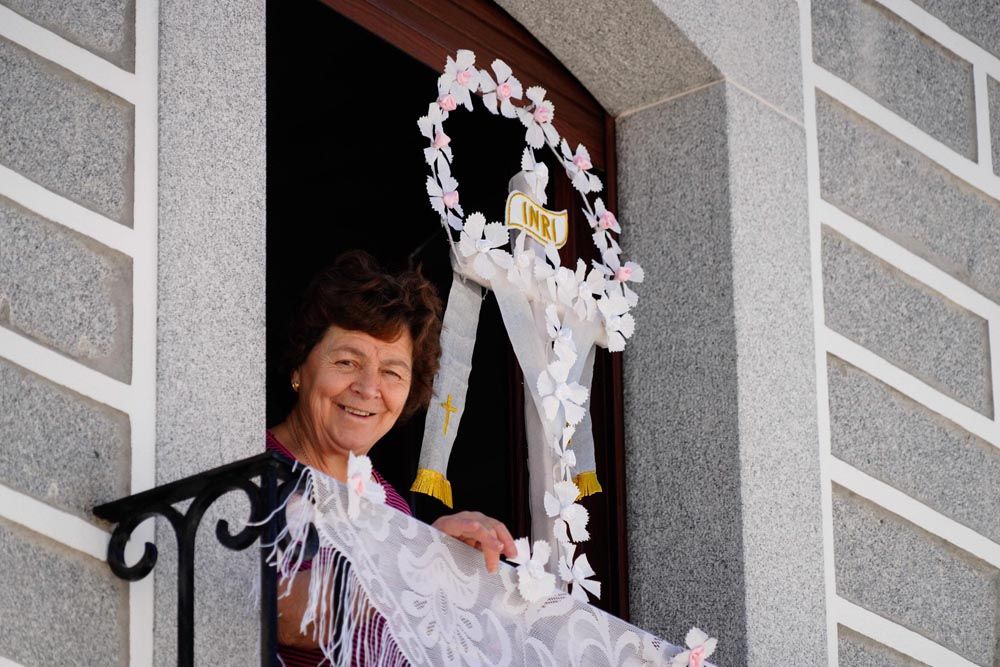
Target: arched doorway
(346,82)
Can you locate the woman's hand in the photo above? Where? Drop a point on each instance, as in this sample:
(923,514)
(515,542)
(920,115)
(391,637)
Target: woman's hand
(480,531)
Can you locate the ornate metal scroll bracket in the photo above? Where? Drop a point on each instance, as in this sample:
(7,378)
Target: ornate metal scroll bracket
(265,479)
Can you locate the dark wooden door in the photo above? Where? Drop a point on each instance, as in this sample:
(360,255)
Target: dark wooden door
(382,62)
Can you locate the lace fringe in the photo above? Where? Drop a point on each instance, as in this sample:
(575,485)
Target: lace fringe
(345,625)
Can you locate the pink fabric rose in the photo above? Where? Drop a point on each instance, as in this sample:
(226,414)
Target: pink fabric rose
(450,199)
(623,274)
(463,77)
(697,658)
(448,103)
(582,162)
(441,140)
(503,91)
(608,220)
(542,114)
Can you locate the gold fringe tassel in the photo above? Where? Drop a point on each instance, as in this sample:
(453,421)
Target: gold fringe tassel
(587,483)
(434,484)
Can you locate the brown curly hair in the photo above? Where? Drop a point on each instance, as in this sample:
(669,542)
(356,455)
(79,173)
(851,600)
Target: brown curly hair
(355,293)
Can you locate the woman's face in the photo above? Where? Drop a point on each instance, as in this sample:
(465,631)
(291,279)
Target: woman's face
(353,388)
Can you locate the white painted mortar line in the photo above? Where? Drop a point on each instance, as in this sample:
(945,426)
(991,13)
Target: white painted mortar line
(866,360)
(914,511)
(144,310)
(914,266)
(64,53)
(984,147)
(819,328)
(67,213)
(941,33)
(895,636)
(64,371)
(994,328)
(668,98)
(906,132)
(53,523)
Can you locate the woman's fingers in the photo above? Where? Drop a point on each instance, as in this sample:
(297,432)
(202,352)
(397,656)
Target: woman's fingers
(488,535)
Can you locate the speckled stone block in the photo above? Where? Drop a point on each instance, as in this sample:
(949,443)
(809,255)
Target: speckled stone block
(994,97)
(873,304)
(685,533)
(599,42)
(211,335)
(892,438)
(65,134)
(913,201)
(65,291)
(59,447)
(58,606)
(105,27)
(855,650)
(754,43)
(898,571)
(779,481)
(708,209)
(975,19)
(886,58)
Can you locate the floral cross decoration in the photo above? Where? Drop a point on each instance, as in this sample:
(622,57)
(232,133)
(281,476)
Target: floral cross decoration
(599,295)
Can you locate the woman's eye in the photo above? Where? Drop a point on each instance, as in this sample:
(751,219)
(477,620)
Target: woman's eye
(394,375)
(344,363)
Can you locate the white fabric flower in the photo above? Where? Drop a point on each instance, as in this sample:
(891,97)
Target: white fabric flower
(699,647)
(361,484)
(537,175)
(577,574)
(431,127)
(444,196)
(460,78)
(520,274)
(533,582)
(621,274)
(571,517)
(480,241)
(506,88)
(547,269)
(555,390)
(603,222)
(561,335)
(618,322)
(578,168)
(538,120)
(565,456)
(587,288)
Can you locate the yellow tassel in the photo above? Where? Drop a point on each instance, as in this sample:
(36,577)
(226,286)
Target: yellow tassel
(433,484)
(587,483)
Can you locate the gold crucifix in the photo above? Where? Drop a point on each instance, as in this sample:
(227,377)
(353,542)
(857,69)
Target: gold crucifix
(448,410)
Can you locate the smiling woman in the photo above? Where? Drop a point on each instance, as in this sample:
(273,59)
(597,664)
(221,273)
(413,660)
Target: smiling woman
(362,354)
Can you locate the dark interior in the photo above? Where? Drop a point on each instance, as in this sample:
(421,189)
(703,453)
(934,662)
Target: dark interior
(346,170)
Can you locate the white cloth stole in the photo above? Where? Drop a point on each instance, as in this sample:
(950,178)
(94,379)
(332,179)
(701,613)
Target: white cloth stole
(458,341)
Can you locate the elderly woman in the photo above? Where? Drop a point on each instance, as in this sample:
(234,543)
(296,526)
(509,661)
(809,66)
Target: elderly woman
(364,351)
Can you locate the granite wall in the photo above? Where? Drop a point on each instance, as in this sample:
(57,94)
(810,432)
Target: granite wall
(131,299)
(66,143)
(907,233)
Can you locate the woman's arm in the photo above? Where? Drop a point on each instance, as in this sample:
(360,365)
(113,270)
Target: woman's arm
(291,608)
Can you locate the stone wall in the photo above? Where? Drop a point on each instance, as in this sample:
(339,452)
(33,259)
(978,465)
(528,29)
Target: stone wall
(903,122)
(71,232)
(131,313)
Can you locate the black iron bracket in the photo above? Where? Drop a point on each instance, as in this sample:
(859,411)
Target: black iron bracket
(265,479)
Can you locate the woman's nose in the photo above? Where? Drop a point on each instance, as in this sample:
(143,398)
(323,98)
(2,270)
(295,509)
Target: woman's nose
(366,383)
